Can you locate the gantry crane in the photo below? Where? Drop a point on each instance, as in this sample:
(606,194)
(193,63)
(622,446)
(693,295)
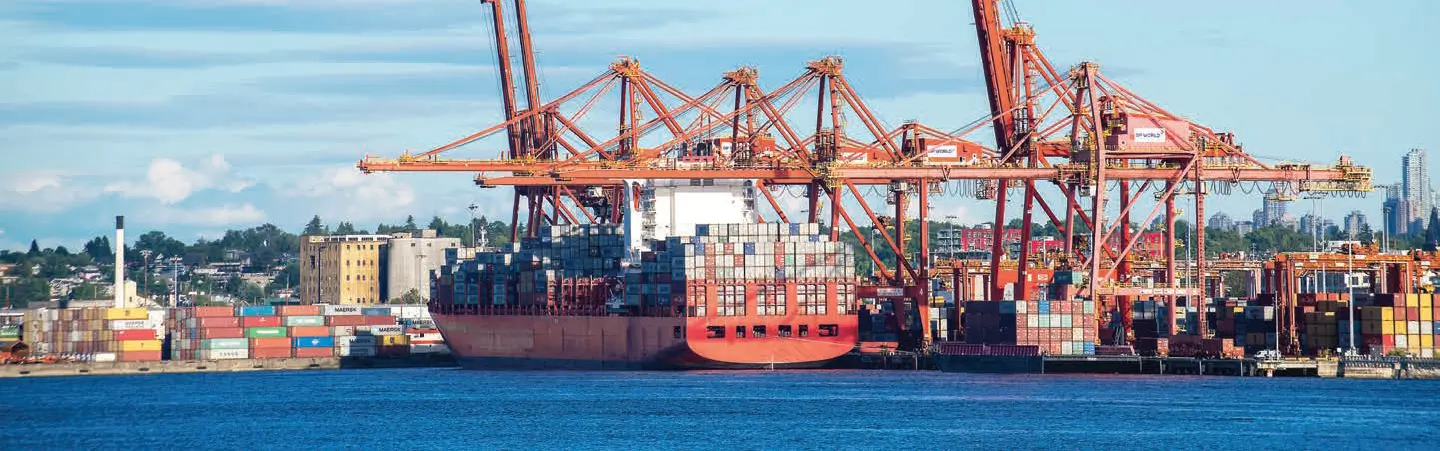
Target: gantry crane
(1078,131)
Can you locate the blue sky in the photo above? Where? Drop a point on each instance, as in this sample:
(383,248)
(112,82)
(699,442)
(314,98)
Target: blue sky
(194,116)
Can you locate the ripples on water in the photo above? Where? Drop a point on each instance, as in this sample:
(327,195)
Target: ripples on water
(453,409)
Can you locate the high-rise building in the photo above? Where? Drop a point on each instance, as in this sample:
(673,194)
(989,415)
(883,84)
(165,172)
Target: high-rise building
(1272,209)
(1221,221)
(1415,186)
(343,269)
(1396,212)
(1354,223)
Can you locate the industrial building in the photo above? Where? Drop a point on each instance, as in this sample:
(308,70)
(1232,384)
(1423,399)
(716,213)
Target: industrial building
(412,258)
(342,269)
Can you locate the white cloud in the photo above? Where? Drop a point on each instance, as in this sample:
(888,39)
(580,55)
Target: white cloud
(170,182)
(345,192)
(224,215)
(41,191)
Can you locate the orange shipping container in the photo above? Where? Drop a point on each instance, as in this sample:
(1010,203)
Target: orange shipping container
(309,331)
(379,320)
(314,352)
(270,353)
(346,320)
(135,334)
(299,310)
(209,312)
(139,356)
(261,321)
(260,343)
(218,321)
(226,332)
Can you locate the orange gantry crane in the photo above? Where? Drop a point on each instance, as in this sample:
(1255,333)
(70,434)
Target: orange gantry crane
(1077,132)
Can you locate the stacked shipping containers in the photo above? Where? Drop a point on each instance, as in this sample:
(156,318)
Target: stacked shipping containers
(1056,327)
(1400,323)
(580,269)
(301,331)
(96,334)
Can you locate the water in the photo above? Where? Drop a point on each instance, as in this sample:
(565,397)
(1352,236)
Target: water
(453,409)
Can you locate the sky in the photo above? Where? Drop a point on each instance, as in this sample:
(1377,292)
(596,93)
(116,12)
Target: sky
(198,116)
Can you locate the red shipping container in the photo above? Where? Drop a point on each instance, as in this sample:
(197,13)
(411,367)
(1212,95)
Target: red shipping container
(1412,314)
(346,320)
(139,356)
(135,334)
(219,332)
(309,331)
(314,353)
(218,321)
(270,353)
(299,310)
(379,320)
(258,343)
(261,321)
(210,312)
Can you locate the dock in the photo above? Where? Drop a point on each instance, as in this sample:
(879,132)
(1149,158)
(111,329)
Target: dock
(219,366)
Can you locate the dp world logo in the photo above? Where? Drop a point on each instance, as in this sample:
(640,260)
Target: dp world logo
(314,342)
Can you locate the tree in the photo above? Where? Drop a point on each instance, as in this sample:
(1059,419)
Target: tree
(34,249)
(1432,233)
(345,228)
(62,251)
(410,223)
(411,297)
(1366,235)
(315,227)
(288,277)
(98,248)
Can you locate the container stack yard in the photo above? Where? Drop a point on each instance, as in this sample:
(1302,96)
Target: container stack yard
(96,334)
(1059,327)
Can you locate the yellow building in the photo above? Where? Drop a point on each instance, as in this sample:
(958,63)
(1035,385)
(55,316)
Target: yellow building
(346,269)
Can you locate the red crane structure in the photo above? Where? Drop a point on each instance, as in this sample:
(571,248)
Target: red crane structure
(1076,131)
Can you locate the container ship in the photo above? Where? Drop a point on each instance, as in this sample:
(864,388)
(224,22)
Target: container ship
(690,280)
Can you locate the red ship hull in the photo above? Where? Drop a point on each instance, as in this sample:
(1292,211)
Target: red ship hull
(629,343)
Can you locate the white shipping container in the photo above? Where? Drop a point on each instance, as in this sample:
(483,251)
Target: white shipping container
(131,324)
(387,330)
(342,331)
(360,340)
(223,354)
(104,357)
(336,310)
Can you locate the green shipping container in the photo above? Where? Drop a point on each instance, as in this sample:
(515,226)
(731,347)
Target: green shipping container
(227,343)
(291,321)
(264,332)
(10,331)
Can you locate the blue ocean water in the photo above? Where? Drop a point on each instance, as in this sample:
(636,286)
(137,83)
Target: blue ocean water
(456,409)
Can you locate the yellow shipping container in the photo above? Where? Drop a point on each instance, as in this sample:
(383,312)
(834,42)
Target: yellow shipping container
(1412,300)
(395,340)
(126,313)
(1427,341)
(1427,300)
(1427,314)
(1387,327)
(140,345)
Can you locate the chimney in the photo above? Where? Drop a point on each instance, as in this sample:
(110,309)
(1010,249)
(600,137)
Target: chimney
(119,262)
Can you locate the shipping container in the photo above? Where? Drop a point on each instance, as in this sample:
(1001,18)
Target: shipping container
(224,354)
(258,343)
(314,342)
(281,352)
(265,332)
(257,310)
(314,353)
(293,321)
(140,345)
(300,310)
(224,343)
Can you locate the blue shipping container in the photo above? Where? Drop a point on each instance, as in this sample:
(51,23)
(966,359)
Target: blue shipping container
(257,310)
(1043,307)
(794,229)
(375,311)
(314,342)
(702,230)
(749,248)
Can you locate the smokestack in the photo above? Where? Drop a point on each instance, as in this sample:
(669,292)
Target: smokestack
(119,262)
